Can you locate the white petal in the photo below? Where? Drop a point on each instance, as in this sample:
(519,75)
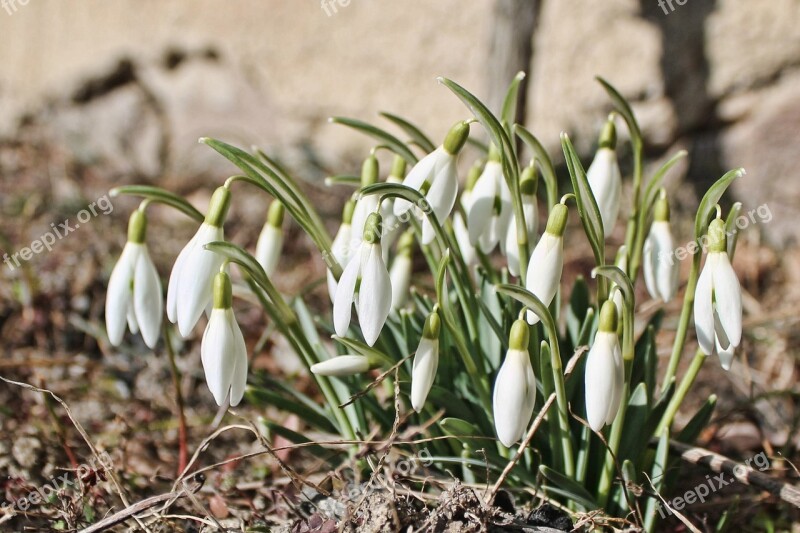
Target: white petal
(512,249)
(239,349)
(343,300)
(172,286)
(442,195)
(605,181)
(725,354)
(374,296)
(217,353)
(196,279)
(544,270)
(268,248)
(482,203)
(148,299)
(600,380)
(703,308)
(365,206)
(342,365)
(728,298)
(511,401)
(418,175)
(423,374)
(649,264)
(667,270)
(400,276)
(462,238)
(118,295)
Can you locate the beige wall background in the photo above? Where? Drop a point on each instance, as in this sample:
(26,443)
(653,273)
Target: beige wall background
(719,77)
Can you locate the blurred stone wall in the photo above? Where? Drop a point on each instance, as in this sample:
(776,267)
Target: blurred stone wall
(132,84)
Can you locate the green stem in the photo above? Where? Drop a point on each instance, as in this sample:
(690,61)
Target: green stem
(183,449)
(680,394)
(683,324)
(561,400)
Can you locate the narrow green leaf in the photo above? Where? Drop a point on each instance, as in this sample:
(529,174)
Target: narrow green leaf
(262,397)
(159,195)
(416,134)
(657,477)
(731,229)
(509,109)
(298,438)
(653,186)
(633,442)
(698,422)
(398,146)
(587,205)
(343,179)
(569,488)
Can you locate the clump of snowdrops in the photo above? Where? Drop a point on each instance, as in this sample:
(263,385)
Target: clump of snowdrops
(510,372)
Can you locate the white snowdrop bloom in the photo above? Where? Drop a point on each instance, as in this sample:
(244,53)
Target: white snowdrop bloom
(134,294)
(365,275)
(490,208)
(547,260)
(515,388)
(342,246)
(661,271)
(605,178)
(435,177)
(400,272)
(189,289)
(426,362)
(270,241)
(604,377)
(530,211)
(460,230)
(342,365)
(718,300)
(223,351)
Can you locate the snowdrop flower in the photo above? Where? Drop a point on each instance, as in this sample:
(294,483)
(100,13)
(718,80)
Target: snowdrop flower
(426,361)
(528,184)
(342,365)
(366,275)
(490,209)
(223,350)
(134,294)
(400,273)
(547,260)
(514,388)
(189,289)
(604,378)
(270,242)
(718,300)
(435,177)
(661,271)
(342,246)
(605,179)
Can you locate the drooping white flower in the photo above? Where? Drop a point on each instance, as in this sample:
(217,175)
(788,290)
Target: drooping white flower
(718,300)
(189,289)
(528,183)
(547,260)
(342,365)
(490,208)
(365,205)
(605,178)
(223,350)
(661,271)
(460,230)
(392,227)
(134,294)
(604,378)
(515,388)
(426,362)
(270,241)
(435,177)
(374,290)
(400,272)
(342,246)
